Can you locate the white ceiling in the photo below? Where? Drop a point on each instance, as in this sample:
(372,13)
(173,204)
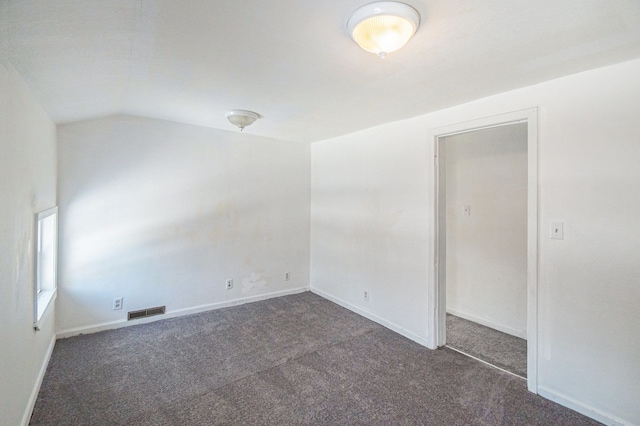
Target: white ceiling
(292,61)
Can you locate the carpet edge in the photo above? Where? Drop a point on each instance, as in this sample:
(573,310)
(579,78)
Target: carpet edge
(26,417)
(582,408)
(424,341)
(176,313)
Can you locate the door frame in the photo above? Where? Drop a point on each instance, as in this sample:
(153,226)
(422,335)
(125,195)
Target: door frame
(437,289)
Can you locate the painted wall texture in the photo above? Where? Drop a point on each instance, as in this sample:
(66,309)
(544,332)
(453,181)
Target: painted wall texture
(372,217)
(486,276)
(162,213)
(27,186)
(369,231)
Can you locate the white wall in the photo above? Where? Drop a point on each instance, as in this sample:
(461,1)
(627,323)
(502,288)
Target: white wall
(486,255)
(27,186)
(368,225)
(162,213)
(372,216)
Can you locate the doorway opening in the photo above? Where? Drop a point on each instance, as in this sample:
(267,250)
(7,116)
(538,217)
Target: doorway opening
(485,192)
(485,280)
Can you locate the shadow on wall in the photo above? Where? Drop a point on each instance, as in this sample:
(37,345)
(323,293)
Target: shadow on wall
(163,213)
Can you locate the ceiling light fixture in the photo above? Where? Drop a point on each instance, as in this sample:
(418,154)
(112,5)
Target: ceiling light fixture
(383,27)
(241,118)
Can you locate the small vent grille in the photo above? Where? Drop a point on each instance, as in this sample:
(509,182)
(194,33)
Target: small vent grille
(149,312)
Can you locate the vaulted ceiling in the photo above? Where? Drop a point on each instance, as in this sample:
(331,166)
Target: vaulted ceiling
(292,61)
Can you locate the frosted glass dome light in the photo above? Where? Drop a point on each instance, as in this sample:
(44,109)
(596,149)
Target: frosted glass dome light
(241,118)
(383,27)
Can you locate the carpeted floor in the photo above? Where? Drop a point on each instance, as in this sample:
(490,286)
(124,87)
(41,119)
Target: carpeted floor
(293,360)
(493,346)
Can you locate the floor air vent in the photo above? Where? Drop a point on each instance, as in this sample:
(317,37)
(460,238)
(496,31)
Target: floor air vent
(149,312)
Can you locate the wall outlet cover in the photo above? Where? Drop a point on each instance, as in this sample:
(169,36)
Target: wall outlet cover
(117,303)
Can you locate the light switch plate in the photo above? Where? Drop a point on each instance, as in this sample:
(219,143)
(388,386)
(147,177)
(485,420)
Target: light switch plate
(557,230)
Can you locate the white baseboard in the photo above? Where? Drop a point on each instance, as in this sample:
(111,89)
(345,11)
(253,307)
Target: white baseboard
(373,317)
(177,313)
(587,410)
(488,323)
(36,387)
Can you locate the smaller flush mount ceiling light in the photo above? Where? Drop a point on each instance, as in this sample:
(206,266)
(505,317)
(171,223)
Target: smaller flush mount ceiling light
(383,27)
(241,118)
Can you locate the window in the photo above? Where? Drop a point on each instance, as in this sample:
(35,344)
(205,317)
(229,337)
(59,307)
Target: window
(46,261)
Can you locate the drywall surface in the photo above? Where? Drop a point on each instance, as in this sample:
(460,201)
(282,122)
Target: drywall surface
(486,226)
(368,231)
(161,213)
(27,186)
(373,214)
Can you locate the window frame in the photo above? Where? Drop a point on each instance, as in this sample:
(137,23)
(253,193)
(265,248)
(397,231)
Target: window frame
(43,296)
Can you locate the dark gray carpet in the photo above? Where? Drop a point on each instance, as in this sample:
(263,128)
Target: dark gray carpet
(293,360)
(493,346)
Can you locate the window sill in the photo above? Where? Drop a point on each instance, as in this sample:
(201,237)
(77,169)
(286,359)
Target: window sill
(45,299)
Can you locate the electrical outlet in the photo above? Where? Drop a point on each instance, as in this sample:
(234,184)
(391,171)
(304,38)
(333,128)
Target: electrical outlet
(229,284)
(117,303)
(287,275)
(365,295)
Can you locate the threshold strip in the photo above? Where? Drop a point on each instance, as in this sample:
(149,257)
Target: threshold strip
(485,362)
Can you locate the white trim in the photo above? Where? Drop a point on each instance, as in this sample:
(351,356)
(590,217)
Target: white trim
(436,308)
(485,362)
(587,410)
(533,217)
(44,300)
(26,417)
(373,317)
(177,313)
(439,297)
(42,297)
(518,332)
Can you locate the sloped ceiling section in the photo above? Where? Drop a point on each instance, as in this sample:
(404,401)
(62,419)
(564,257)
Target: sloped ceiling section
(292,61)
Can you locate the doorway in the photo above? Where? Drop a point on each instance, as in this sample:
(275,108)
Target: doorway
(516,264)
(486,244)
